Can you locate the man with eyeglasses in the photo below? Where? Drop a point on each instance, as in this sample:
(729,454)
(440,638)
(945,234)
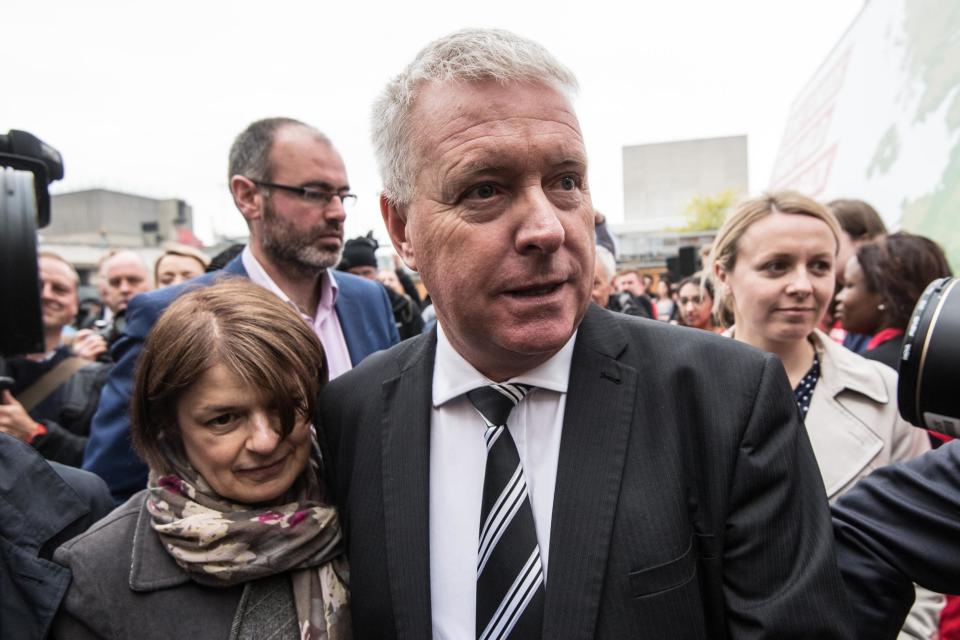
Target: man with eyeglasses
(290,185)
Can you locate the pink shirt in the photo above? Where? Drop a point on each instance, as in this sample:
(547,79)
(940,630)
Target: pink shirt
(324,320)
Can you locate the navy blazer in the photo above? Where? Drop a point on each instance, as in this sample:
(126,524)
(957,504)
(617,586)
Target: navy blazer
(897,526)
(365,318)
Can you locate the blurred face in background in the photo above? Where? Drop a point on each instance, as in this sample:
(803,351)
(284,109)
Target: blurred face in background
(390,280)
(858,307)
(630,283)
(173,269)
(126,277)
(58,293)
(602,286)
(695,306)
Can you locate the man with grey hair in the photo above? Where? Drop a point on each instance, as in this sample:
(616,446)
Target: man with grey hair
(290,185)
(521,471)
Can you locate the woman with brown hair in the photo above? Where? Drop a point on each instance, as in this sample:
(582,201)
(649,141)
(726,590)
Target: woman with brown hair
(695,302)
(235,534)
(882,284)
(773,260)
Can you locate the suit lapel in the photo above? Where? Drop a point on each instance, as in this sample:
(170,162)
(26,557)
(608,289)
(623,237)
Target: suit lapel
(406,486)
(596,428)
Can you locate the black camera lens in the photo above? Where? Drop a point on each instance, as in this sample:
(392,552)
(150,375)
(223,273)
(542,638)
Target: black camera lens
(928,391)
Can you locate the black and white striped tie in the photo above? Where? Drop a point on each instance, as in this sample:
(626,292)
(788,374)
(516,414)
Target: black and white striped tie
(510,585)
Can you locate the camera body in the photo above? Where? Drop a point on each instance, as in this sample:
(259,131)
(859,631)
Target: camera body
(27,166)
(928,392)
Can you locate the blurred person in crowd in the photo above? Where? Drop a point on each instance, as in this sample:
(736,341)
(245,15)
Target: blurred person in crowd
(774,258)
(55,393)
(859,223)
(179,263)
(290,185)
(235,534)
(625,300)
(389,279)
(882,284)
(486,195)
(42,505)
(604,267)
(602,234)
(629,281)
(360,259)
(664,301)
(695,301)
(126,275)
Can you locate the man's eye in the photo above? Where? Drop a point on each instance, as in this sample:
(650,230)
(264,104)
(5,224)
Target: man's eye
(482,192)
(568,183)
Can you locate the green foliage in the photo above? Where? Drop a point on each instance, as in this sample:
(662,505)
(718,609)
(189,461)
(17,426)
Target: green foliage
(708,212)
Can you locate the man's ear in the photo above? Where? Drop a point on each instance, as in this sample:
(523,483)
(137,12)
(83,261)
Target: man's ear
(395,219)
(248,198)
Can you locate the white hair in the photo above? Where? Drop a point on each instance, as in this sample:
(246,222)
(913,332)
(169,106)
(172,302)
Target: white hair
(470,55)
(607,261)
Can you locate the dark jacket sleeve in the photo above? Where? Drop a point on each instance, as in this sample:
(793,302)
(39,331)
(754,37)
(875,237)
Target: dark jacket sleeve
(779,570)
(899,525)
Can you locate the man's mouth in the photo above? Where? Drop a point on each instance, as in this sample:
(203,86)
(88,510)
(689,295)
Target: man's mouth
(535,291)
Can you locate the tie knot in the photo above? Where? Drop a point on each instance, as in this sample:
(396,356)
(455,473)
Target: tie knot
(495,402)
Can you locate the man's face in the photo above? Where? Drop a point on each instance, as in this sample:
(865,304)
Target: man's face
(126,277)
(58,293)
(500,226)
(630,283)
(297,235)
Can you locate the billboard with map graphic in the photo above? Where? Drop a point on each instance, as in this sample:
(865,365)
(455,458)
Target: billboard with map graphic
(880,120)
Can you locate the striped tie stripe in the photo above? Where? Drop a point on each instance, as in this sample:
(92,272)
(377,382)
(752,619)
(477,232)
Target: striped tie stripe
(510,580)
(515,601)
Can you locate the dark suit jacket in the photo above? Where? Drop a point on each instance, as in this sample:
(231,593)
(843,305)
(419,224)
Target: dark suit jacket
(365,318)
(688,503)
(897,526)
(42,505)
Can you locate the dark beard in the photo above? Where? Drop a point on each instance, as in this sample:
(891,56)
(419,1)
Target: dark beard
(295,252)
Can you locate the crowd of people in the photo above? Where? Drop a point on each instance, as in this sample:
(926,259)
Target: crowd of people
(290,441)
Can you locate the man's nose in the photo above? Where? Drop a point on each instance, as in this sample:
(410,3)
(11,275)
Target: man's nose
(334,210)
(540,228)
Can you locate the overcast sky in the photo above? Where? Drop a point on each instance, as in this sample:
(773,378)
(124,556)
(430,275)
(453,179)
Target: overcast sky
(146,97)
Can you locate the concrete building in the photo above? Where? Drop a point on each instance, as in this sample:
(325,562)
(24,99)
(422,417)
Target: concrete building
(85,225)
(660,180)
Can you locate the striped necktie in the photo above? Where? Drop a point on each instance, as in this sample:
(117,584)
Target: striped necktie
(510,583)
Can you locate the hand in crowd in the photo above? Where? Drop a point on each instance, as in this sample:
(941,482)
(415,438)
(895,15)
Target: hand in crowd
(88,344)
(14,419)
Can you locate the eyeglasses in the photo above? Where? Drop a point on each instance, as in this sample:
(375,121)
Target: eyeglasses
(311,194)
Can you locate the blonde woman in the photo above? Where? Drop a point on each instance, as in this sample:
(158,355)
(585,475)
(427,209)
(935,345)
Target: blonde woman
(773,261)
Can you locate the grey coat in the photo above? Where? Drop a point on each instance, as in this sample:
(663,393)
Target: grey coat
(126,585)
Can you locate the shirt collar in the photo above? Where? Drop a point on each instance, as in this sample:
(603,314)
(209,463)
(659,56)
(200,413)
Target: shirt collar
(453,376)
(258,275)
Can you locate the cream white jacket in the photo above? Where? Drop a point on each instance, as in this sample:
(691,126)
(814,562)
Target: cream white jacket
(853,421)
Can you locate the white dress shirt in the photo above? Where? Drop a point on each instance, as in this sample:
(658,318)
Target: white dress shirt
(457,464)
(324,320)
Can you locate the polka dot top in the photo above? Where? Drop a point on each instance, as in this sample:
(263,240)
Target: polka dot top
(804,390)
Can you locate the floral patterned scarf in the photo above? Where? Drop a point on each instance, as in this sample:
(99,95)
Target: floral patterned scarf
(221,543)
